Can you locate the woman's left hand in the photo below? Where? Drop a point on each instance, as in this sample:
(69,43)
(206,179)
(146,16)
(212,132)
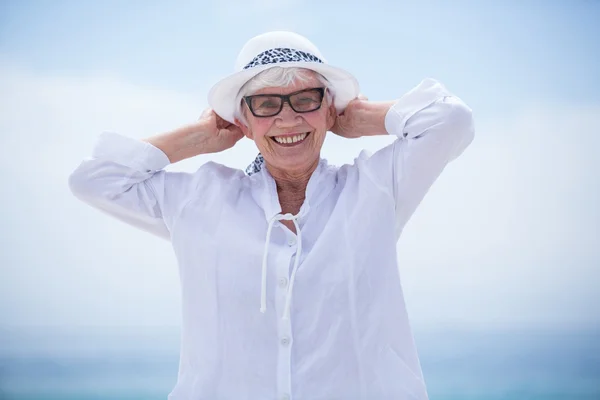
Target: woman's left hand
(362,118)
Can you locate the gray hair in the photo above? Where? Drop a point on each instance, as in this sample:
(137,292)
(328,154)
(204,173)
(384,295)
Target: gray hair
(278,77)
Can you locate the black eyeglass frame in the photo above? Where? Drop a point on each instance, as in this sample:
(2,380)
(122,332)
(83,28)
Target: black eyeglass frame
(285,98)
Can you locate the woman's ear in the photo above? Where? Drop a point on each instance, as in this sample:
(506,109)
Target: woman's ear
(245,130)
(331,116)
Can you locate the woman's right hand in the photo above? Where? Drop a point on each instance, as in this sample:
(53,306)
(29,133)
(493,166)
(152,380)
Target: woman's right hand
(210,134)
(219,134)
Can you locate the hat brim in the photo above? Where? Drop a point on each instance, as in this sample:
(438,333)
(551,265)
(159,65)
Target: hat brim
(223,96)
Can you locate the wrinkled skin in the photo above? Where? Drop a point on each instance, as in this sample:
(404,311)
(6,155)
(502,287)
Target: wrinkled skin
(297,162)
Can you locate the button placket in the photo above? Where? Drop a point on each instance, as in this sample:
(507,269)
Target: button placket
(284,327)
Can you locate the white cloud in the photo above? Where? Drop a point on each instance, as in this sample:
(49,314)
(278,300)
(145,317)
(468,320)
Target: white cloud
(507,236)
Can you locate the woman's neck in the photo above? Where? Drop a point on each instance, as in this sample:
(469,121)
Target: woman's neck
(291,187)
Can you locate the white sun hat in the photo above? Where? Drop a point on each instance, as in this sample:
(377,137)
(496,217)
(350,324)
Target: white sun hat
(278,49)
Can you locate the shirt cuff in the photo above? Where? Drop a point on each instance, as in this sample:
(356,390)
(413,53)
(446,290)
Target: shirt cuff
(426,93)
(135,154)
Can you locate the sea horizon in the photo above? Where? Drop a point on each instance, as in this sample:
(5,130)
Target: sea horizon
(141,363)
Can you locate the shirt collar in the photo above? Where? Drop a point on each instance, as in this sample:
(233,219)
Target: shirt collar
(264,189)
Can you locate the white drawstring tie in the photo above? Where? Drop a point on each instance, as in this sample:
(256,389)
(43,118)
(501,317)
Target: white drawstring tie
(263,292)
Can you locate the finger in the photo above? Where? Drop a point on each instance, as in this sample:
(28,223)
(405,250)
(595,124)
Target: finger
(231,136)
(206,113)
(341,120)
(234,129)
(222,124)
(362,97)
(231,130)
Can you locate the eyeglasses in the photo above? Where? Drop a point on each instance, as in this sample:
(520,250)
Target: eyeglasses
(269,105)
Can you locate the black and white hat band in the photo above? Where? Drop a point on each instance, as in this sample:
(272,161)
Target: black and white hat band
(281,54)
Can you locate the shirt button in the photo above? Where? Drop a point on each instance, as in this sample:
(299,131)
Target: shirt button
(282,282)
(285,397)
(291,241)
(285,341)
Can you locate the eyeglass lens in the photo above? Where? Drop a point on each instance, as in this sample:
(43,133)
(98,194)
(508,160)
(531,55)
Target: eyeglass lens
(305,101)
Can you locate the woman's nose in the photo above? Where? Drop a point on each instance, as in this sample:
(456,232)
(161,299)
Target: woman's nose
(288,116)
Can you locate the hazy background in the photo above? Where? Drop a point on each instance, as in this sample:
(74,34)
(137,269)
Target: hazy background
(500,264)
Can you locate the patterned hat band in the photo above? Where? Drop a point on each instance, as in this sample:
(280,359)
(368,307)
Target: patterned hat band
(282,55)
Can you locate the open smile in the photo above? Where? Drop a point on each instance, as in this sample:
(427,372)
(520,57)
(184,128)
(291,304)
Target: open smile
(290,140)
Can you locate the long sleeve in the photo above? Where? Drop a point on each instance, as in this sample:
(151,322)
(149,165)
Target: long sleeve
(124,177)
(433,128)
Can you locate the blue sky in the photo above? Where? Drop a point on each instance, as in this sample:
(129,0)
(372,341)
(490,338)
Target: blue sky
(507,237)
(492,51)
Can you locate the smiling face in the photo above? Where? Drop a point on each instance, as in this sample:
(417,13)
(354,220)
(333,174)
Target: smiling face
(290,141)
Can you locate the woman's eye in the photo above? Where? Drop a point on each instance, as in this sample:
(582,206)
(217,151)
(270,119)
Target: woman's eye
(268,104)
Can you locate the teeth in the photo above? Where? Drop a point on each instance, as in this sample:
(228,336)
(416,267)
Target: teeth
(290,139)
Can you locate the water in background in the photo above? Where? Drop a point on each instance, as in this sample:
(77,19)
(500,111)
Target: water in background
(142,364)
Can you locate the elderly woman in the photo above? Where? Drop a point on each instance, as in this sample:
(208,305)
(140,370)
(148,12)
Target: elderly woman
(289,275)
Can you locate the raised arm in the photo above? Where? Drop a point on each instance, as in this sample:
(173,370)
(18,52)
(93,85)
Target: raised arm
(433,127)
(125,177)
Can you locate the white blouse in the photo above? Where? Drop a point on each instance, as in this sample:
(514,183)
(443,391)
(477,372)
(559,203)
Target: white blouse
(268,314)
